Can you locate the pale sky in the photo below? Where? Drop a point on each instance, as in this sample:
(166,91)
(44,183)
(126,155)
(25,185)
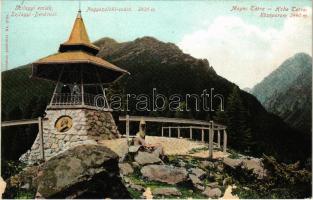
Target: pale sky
(241,46)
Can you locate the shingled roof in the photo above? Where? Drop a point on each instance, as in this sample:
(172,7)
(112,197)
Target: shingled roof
(76,52)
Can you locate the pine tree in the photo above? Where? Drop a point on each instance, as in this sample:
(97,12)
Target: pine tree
(41,104)
(220,117)
(12,137)
(240,136)
(28,109)
(30,131)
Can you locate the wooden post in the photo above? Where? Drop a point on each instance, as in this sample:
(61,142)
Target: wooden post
(178,132)
(56,86)
(190,133)
(106,103)
(162,131)
(82,87)
(211,130)
(225,141)
(127,127)
(42,147)
(218,138)
(202,135)
(169,131)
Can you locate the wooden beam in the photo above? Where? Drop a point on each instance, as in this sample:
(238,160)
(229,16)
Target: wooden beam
(170,120)
(202,135)
(225,142)
(19,122)
(127,127)
(218,139)
(55,107)
(193,127)
(56,86)
(82,86)
(211,132)
(40,132)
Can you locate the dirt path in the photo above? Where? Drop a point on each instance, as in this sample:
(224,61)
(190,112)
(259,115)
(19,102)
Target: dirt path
(171,146)
(175,146)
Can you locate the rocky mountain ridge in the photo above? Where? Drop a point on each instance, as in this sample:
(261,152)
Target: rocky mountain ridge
(163,53)
(287,91)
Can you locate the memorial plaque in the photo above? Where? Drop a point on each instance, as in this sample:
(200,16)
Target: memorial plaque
(64,124)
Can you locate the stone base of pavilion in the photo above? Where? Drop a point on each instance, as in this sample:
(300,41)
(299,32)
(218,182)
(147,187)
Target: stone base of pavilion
(88,127)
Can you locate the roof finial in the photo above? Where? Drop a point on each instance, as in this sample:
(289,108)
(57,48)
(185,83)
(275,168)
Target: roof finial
(79,14)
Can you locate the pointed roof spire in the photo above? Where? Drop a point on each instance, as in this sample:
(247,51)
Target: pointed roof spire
(79,14)
(77,53)
(78,36)
(79,33)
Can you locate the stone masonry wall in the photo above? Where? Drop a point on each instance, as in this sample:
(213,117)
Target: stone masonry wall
(89,126)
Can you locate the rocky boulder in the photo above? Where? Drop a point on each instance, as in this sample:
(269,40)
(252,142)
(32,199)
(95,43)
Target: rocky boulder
(196,182)
(136,187)
(212,184)
(206,164)
(232,163)
(22,180)
(166,191)
(198,172)
(86,171)
(212,193)
(144,158)
(253,164)
(164,173)
(256,166)
(125,168)
(134,149)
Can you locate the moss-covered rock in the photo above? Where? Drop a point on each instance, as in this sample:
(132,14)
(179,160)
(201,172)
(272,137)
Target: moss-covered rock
(86,171)
(164,173)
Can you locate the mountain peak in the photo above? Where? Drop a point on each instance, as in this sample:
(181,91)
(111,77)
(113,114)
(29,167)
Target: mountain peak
(302,55)
(152,43)
(296,59)
(152,50)
(287,91)
(104,41)
(147,39)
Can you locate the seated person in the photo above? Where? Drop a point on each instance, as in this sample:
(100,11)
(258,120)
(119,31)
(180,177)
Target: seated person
(139,140)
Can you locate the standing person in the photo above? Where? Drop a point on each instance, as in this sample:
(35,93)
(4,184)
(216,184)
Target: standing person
(76,94)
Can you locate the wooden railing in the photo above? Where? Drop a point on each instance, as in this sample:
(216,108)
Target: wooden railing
(68,99)
(210,126)
(191,128)
(28,122)
(200,124)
